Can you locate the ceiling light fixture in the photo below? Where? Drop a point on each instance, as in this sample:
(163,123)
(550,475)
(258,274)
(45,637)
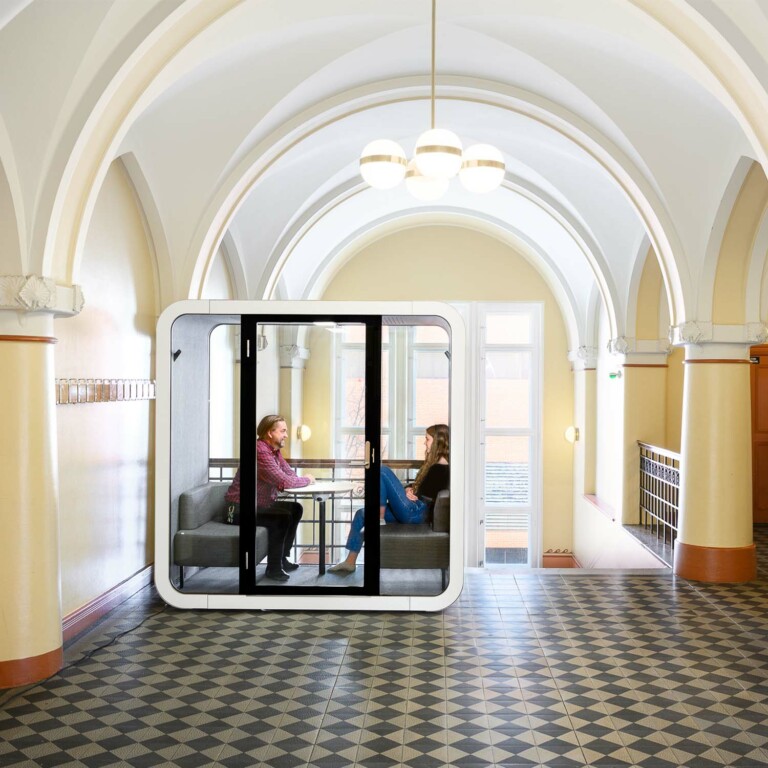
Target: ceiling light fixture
(437,159)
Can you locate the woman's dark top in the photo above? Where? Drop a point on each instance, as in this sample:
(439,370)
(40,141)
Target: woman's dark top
(437,479)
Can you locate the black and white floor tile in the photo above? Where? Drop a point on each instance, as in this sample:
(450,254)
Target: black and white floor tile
(527,668)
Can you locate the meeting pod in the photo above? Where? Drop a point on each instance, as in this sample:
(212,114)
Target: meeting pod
(309,455)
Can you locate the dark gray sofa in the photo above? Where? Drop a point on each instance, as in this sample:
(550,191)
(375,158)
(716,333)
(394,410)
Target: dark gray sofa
(420,546)
(203,538)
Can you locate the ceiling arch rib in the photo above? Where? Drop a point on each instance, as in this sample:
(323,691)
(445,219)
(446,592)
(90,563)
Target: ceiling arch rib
(294,251)
(155,231)
(757,281)
(107,123)
(233,259)
(355,241)
(340,232)
(740,90)
(640,253)
(13,248)
(594,308)
(263,159)
(730,288)
(702,310)
(104,126)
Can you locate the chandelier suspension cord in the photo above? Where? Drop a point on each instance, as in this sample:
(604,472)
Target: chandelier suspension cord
(434,13)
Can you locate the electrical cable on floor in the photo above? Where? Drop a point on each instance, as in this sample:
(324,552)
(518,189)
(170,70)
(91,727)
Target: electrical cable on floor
(17,694)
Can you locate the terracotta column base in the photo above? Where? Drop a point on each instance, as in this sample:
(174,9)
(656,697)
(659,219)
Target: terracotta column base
(31,670)
(716,565)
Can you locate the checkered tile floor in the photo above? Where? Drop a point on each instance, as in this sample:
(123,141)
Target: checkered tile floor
(528,668)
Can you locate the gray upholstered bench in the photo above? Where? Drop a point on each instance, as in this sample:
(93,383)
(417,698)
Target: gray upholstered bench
(420,546)
(203,538)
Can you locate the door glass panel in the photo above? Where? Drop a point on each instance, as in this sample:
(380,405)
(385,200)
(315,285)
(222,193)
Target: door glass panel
(504,328)
(414,551)
(508,402)
(508,389)
(507,470)
(324,412)
(507,497)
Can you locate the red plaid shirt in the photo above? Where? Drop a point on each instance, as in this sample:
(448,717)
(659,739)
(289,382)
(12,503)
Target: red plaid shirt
(273,474)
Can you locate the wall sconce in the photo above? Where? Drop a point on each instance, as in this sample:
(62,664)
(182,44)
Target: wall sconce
(303,432)
(572,434)
(614,375)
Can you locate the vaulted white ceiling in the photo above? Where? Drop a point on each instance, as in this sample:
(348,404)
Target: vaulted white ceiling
(615,131)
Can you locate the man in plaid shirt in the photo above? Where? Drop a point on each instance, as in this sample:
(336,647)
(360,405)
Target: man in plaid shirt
(274,475)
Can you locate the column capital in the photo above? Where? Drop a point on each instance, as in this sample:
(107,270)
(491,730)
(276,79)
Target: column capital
(33,293)
(583,358)
(293,356)
(716,352)
(649,352)
(703,332)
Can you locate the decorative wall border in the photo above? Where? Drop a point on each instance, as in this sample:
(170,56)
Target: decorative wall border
(74,391)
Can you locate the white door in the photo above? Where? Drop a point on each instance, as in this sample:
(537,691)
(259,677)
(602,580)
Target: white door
(508,424)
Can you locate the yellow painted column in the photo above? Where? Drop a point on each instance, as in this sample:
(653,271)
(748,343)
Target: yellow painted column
(645,419)
(714,542)
(30,578)
(30,603)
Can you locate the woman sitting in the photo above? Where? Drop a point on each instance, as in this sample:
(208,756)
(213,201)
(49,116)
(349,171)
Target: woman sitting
(411,505)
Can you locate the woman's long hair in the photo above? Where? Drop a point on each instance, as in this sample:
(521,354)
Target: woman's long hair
(441,444)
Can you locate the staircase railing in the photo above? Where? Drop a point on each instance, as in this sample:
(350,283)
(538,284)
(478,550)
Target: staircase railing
(659,491)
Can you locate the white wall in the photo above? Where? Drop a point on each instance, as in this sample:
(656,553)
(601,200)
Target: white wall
(106,450)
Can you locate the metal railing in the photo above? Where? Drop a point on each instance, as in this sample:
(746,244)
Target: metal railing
(659,491)
(342,508)
(222,470)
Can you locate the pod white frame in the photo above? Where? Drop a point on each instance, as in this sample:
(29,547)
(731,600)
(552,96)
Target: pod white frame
(165,587)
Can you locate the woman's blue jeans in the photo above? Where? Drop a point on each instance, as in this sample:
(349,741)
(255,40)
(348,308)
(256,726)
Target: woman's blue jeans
(399,509)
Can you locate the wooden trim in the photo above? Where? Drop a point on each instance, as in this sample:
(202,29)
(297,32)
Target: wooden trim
(81,619)
(16,672)
(716,565)
(559,560)
(716,360)
(645,365)
(38,339)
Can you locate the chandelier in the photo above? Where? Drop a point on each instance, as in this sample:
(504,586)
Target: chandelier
(438,157)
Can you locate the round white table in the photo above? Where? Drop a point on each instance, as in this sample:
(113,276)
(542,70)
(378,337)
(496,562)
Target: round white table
(320,492)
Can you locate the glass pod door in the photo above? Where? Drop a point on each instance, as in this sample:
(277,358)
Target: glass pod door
(305,495)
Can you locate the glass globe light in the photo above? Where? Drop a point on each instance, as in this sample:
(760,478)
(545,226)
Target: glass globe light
(383,163)
(424,187)
(482,168)
(438,153)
